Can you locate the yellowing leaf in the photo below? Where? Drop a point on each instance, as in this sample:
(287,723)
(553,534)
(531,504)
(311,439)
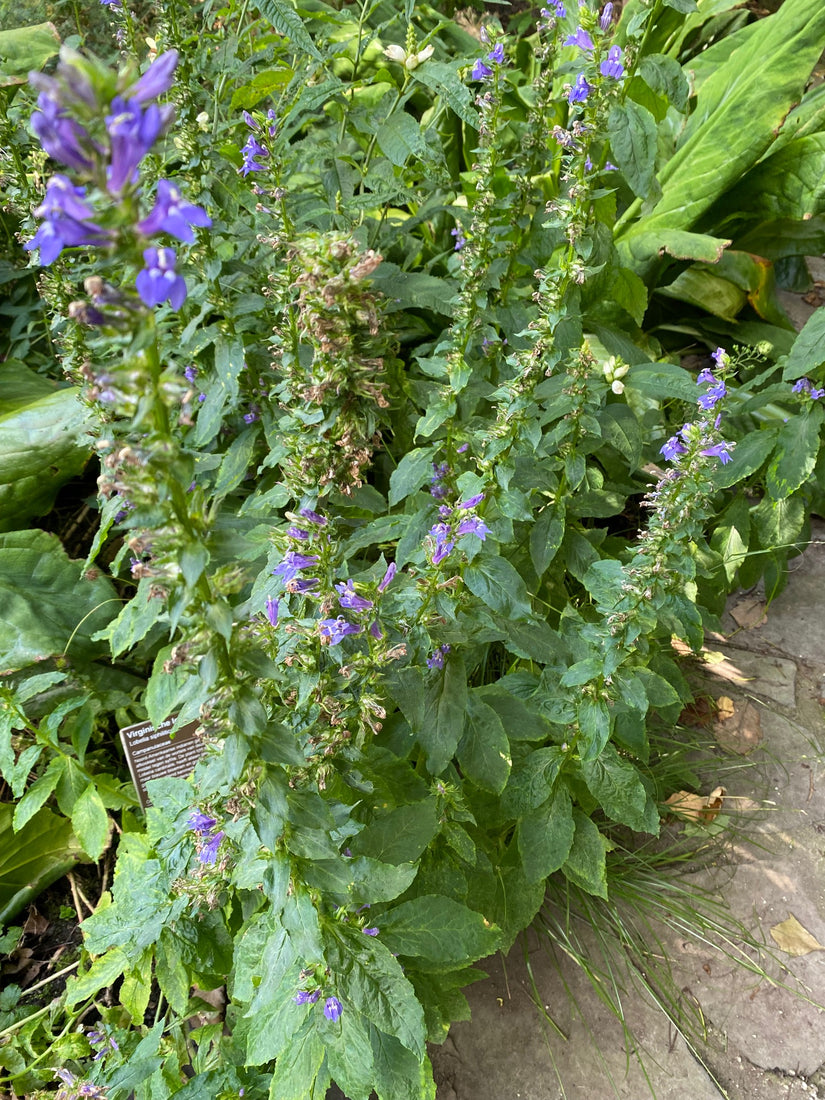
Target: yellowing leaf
(749,613)
(725,708)
(792,938)
(696,807)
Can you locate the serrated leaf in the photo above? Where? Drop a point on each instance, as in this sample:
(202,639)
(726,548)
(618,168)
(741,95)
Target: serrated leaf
(400,139)
(103,972)
(438,932)
(545,836)
(443,79)
(400,835)
(411,472)
(498,585)
(633,137)
(484,751)
(585,866)
(220,389)
(797,449)
(91,822)
(546,537)
(532,780)
(620,792)
(283,17)
(808,351)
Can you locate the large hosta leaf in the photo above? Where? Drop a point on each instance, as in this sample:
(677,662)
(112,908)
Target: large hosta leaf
(33,858)
(25,48)
(42,443)
(48,605)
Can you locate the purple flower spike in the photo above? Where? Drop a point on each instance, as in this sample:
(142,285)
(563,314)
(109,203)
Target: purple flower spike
(174,215)
(496,54)
(387,579)
(472,525)
(613,66)
(581,39)
(272,608)
(156,80)
(333,631)
(580,91)
(208,851)
(471,502)
(673,448)
(64,212)
(460,239)
(715,394)
(480,71)
(333,1009)
(158,281)
(349,598)
(252,149)
(443,544)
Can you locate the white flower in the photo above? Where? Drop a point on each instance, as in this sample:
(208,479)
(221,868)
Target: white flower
(419,58)
(396,53)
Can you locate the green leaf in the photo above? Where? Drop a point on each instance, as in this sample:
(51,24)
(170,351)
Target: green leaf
(34,857)
(137,986)
(546,537)
(593,716)
(585,866)
(223,387)
(349,1055)
(633,136)
(444,80)
(135,620)
(545,836)
(630,292)
(434,709)
(498,585)
(686,7)
(399,1073)
(666,77)
(643,246)
(283,17)
(49,605)
(260,87)
(91,822)
(796,453)
(400,835)
(400,139)
(103,972)
(438,932)
(707,291)
(26,48)
(172,975)
(412,471)
(484,751)
(236,461)
(368,977)
(789,183)
(748,455)
(621,430)
(617,786)
(360,880)
(520,722)
(532,780)
(808,351)
(43,444)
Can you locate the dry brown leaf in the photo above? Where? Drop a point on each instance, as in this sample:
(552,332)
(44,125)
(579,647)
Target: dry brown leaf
(792,938)
(35,923)
(739,729)
(698,714)
(725,708)
(702,809)
(749,613)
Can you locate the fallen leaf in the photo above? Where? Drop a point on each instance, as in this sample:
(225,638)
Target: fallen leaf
(696,807)
(35,923)
(739,729)
(724,708)
(793,939)
(700,713)
(749,613)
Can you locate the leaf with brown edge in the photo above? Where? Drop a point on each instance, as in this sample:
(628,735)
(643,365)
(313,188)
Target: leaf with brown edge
(701,809)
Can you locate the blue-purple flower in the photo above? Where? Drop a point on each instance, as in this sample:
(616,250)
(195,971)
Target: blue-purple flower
(272,608)
(157,79)
(711,397)
(559,10)
(672,448)
(301,585)
(305,997)
(132,133)
(201,823)
(61,137)
(386,580)
(65,224)
(436,658)
(718,450)
(208,850)
(158,281)
(297,533)
(612,65)
(314,517)
(443,542)
(252,149)
(370,931)
(333,1009)
(806,386)
(208,843)
(349,598)
(333,631)
(473,525)
(480,71)
(496,54)
(607,15)
(581,39)
(460,239)
(720,357)
(293,563)
(173,214)
(580,91)
(471,502)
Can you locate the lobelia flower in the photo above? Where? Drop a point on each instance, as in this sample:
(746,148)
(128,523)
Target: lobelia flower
(672,448)
(705,378)
(607,15)
(581,39)
(201,823)
(313,517)
(436,658)
(303,585)
(806,386)
(333,631)
(191,373)
(304,997)
(715,394)
(460,239)
(61,137)
(480,71)
(64,226)
(132,133)
(349,598)
(496,54)
(158,281)
(252,149)
(208,851)
(157,79)
(293,563)
(438,490)
(613,66)
(272,609)
(471,502)
(370,931)
(720,357)
(580,91)
(443,544)
(333,1009)
(173,215)
(473,525)
(386,580)
(297,533)
(718,450)
(559,11)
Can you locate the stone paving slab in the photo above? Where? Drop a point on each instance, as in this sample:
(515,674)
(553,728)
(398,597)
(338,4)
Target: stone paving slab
(762,1041)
